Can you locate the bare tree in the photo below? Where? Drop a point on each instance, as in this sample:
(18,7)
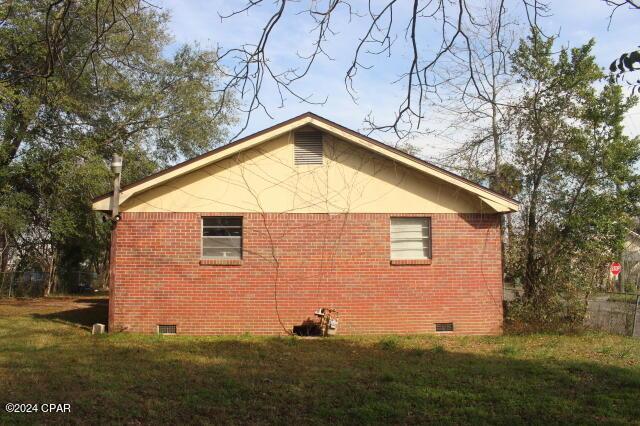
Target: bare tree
(480,111)
(477,111)
(248,67)
(616,4)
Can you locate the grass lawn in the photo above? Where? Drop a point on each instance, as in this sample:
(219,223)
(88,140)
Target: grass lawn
(48,355)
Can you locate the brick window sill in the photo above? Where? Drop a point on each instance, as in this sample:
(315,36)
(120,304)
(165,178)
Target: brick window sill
(401,262)
(221,262)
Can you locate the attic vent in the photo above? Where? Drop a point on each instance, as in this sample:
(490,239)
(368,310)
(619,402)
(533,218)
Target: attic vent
(167,329)
(308,148)
(444,326)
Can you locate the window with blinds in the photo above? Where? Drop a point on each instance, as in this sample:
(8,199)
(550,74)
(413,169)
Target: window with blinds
(307,148)
(410,238)
(222,237)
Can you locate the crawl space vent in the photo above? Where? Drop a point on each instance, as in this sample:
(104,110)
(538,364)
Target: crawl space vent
(167,329)
(308,148)
(444,326)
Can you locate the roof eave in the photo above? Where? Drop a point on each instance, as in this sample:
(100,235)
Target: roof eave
(496,201)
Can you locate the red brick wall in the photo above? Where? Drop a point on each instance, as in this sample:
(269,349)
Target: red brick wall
(302,262)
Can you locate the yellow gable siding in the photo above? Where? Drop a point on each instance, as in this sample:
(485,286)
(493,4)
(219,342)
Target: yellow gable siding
(265,179)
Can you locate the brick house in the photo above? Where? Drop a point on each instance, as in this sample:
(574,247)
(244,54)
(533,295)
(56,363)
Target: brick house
(257,235)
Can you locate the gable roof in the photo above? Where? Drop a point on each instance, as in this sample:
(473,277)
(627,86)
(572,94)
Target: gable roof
(497,201)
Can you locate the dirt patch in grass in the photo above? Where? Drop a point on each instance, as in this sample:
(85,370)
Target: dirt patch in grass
(124,378)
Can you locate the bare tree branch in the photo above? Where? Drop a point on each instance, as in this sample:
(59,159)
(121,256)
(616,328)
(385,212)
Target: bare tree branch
(248,68)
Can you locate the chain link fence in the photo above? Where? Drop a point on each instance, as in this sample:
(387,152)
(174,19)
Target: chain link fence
(630,273)
(34,283)
(617,313)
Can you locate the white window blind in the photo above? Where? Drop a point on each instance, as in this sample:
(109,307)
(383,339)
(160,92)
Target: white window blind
(410,238)
(222,237)
(307,148)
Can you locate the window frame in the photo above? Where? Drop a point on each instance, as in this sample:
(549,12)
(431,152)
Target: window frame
(202,237)
(428,245)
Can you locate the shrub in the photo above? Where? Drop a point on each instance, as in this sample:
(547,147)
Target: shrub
(556,314)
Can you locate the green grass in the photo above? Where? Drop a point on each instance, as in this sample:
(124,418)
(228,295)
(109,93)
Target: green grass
(47,355)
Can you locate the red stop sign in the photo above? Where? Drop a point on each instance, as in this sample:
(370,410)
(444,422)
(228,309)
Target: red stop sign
(615,268)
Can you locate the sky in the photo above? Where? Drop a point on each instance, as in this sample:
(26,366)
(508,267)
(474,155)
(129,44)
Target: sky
(573,21)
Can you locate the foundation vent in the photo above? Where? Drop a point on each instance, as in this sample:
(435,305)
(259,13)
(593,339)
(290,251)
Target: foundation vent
(444,326)
(308,148)
(167,329)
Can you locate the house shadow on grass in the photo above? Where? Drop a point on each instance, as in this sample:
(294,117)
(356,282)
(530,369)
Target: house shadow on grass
(248,380)
(342,380)
(85,313)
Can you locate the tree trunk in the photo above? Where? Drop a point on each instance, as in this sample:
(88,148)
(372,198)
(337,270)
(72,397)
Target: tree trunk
(495,134)
(497,176)
(4,252)
(14,134)
(47,287)
(51,271)
(530,267)
(531,270)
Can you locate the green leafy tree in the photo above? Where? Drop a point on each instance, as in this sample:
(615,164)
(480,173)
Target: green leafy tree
(579,181)
(80,81)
